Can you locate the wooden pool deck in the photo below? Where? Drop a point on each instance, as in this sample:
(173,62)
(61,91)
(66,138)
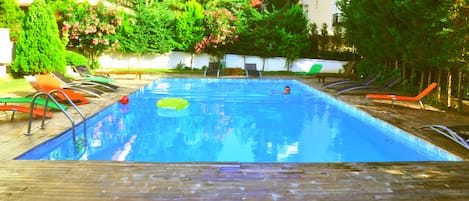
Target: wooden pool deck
(112,180)
(95,180)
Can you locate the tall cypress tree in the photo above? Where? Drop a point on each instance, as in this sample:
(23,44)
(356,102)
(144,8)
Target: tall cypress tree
(39,48)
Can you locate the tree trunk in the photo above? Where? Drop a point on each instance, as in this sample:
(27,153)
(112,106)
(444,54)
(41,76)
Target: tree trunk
(263,64)
(403,76)
(429,77)
(449,90)
(422,78)
(192,61)
(412,73)
(459,103)
(439,85)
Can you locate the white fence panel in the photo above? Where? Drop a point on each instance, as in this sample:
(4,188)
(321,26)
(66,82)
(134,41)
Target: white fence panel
(328,66)
(275,64)
(302,65)
(234,61)
(6,46)
(201,60)
(171,60)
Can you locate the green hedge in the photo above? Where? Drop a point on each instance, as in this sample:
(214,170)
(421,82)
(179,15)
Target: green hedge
(76,59)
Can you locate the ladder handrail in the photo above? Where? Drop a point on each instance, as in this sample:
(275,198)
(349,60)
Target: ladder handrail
(49,96)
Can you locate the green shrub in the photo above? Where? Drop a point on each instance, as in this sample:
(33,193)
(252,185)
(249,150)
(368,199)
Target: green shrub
(76,59)
(39,48)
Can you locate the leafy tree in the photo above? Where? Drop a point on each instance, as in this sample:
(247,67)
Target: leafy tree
(148,31)
(39,49)
(455,31)
(313,39)
(11,17)
(415,37)
(248,29)
(190,26)
(91,29)
(337,38)
(293,31)
(324,43)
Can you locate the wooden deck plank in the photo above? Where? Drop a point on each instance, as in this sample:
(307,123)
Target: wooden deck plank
(98,180)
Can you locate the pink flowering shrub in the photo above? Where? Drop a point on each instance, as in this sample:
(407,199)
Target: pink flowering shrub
(91,29)
(220,30)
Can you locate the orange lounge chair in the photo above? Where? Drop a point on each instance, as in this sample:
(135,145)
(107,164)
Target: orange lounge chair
(47,83)
(393,98)
(15,108)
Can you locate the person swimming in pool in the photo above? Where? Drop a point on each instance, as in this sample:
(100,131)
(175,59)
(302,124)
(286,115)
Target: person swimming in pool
(286,90)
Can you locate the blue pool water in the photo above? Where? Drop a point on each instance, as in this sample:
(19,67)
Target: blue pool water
(236,120)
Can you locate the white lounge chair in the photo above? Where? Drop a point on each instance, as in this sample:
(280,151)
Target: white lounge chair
(459,134)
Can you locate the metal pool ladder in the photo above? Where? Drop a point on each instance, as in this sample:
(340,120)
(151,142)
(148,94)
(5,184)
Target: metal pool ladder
(50,97)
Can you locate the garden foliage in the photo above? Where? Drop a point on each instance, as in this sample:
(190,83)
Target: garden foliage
(76,59)
(148,30)
(11,17)
(39,48)
(189,26)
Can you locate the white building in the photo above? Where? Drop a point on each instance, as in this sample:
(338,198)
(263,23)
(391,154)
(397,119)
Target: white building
(321,11)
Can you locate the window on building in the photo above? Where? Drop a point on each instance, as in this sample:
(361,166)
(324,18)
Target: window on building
(336,19)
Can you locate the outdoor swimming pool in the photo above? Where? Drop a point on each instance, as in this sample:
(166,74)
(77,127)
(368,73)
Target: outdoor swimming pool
(236,120)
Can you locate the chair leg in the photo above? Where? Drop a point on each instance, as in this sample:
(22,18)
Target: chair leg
(422,105)
(12,115)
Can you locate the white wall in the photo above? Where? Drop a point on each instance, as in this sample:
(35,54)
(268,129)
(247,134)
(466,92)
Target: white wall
(6,47)
(171,60)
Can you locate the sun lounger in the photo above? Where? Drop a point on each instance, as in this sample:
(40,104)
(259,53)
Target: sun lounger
(38,101)
(212,69)
(367,81)
(91,86)
(46,83)
(86,74)
(24,109)
(315,69)
(393,97)
(68,84)
(386,86)
(459,134)
(102,79)
(251,70)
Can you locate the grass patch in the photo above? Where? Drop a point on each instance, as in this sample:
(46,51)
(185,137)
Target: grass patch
(10,85)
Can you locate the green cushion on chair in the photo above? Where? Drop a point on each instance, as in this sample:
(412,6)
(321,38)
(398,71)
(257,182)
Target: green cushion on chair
(316,68)
(99,79)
